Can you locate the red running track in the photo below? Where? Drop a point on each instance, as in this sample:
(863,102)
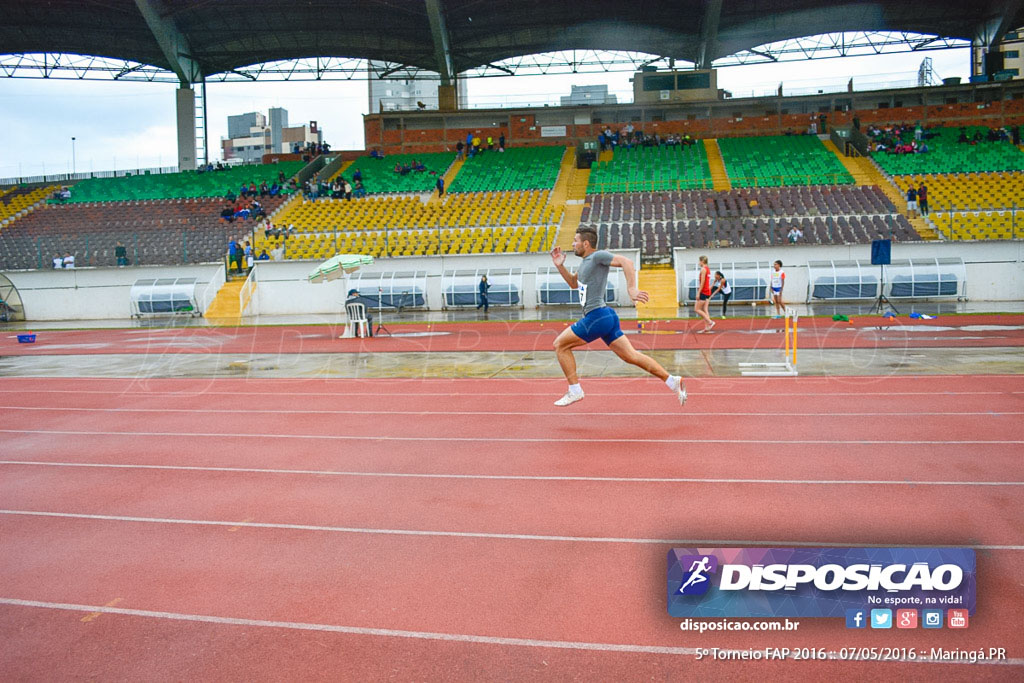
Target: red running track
(740,333)
(466,529)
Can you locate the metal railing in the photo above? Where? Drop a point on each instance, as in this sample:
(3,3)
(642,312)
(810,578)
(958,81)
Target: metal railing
(997,221)
(211,289)
(426,242)
(247,294)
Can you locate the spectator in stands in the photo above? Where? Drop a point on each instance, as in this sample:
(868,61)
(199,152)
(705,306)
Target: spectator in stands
(482,292)
(359,190)
(922,199)
(234,257)
(795,235)
(121,254)
(476,145)
(501,142)
(281,180)
(490,142)
(275,190)
(65,194)
(459,150)
(336,190)
(354,298)
(69,260)
(231,196)
(243,191)
(911,200)
(357,175)
(601,141)
(58,262)
(228,214)
(1015,134)
(277,253)
(346,187)
(249,256)
(376,154)
(263,256)
(918,132)
(264,189)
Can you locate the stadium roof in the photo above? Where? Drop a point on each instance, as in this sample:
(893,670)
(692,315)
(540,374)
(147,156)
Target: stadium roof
(197,38)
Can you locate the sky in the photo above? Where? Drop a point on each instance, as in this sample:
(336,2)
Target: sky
(132,125)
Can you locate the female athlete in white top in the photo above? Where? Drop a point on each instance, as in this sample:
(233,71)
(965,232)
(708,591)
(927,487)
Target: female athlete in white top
(778,281)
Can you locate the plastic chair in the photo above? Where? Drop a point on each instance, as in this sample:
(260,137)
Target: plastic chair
(357,321)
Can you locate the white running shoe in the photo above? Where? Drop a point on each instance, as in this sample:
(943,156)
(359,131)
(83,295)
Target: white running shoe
(681,392)
(569,398)
(711,325)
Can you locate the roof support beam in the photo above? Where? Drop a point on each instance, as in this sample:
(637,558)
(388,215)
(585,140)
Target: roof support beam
(990,32)
(442,43)
(172,42)
(709,34)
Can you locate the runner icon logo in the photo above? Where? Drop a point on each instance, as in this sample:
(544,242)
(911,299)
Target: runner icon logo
(696,580)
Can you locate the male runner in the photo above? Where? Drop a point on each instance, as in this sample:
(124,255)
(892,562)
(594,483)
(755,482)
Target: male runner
(600,321)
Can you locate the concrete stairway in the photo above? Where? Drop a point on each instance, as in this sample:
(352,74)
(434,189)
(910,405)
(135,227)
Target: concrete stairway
(224,309)
(575,194)
(660,283)
(719,177)
(560,192)
(449,178)
(865,172)
(341,171)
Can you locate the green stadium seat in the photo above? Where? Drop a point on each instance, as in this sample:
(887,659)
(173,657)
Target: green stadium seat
(781,160)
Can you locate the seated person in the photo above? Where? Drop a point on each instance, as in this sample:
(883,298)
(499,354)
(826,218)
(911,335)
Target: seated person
(275,190)
(263,256)
(359,191)
(794,235)
(228,214)
(398,168)
(354,298)
(418,166)
(357,175)
(264,190)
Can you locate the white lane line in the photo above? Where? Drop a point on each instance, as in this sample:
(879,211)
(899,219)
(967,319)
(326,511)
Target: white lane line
(494,439)
(702,543)
(396,633)
(545,413)
(334,393)
(514,477)
(360,630)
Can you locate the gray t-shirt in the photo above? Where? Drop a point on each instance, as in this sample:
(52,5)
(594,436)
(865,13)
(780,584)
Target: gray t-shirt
(593,279)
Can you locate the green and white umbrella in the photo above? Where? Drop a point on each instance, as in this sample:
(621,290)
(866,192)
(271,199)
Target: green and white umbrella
(339,265)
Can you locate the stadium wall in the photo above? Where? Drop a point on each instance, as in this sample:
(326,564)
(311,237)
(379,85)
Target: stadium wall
(989,104)
(995,270)
(93,293)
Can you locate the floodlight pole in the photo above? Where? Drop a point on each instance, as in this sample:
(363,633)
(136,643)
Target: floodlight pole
(72,155)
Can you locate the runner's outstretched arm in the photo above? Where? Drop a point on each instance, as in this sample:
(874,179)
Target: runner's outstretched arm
(629,270)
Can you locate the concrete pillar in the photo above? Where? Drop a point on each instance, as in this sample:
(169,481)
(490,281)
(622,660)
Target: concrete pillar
(447,98)
(185,101)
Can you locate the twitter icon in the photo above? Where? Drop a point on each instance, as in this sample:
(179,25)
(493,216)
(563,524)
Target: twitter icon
(881,618)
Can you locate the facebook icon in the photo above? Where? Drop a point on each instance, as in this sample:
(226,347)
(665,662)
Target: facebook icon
(856,618)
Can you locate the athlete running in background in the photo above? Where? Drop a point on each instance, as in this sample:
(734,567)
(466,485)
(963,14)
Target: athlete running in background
(599,321)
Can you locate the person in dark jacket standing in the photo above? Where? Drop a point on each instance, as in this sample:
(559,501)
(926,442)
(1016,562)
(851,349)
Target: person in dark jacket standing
(482,290)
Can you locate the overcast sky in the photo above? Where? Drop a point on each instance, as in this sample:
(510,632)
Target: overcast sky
(132,125)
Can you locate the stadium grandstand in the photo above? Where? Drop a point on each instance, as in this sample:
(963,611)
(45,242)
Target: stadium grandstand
(295,415)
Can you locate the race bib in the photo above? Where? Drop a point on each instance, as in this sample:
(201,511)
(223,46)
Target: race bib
(583,295)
